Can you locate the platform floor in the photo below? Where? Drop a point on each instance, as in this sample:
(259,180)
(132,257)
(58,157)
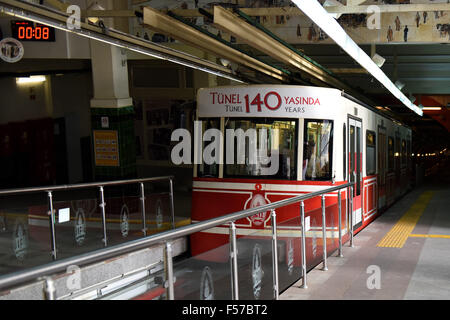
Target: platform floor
(404,254)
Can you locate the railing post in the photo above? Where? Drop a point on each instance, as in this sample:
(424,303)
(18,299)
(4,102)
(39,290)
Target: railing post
(351,216)
(49,289)
(347,209)
(275,254)
(234,266)
(52,224)
(302,218)
(172,209)
(340,223)
(144,225)
(102,206)
(169,272)
(324,235)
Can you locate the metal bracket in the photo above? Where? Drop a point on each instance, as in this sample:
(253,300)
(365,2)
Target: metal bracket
(166,283)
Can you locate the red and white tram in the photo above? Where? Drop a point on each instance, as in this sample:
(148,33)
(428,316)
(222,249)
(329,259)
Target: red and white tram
(324,138)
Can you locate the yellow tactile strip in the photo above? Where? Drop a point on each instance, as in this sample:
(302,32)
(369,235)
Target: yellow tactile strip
(443,236)
(400,232)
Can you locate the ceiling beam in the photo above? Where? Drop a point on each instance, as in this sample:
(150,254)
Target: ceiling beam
(256,38)
(169,26)
(293,11)
(108,13)
(58,4)
(393,8)
(349,70)
(354,2)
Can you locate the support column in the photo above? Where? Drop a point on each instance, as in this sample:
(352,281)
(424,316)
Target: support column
(112,111)
(112,114)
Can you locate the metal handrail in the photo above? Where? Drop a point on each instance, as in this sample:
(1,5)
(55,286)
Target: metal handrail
(82,185)
(121,249)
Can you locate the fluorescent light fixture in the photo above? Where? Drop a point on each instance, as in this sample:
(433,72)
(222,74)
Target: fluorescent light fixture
(400,85)
(97,7)
(331,27)
(333,3)
(432,108)
(30,80)
(379,60)
(225,62)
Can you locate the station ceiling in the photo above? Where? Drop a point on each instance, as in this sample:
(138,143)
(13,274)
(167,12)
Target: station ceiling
(422,66)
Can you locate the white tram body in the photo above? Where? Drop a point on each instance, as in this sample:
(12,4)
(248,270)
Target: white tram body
(324,138)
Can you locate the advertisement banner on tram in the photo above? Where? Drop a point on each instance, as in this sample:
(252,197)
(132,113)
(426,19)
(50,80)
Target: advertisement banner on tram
(263,101)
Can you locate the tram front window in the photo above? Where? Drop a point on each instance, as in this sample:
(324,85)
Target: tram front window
(208,170)
(317,153)
(281,136)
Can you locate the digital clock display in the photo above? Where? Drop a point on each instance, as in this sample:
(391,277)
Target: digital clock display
(29,31)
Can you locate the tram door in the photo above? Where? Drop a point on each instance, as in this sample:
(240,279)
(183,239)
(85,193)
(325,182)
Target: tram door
(355,169)
(382,152)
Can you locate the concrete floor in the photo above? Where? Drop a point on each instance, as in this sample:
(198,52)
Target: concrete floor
(418,270)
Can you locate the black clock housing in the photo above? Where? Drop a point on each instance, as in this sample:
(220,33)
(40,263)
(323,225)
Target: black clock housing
(29,31)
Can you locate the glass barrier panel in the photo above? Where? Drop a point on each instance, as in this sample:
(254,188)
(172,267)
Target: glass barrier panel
(255,264)
(289,248)
(158,215)
(123,213)
(24,232)
(78,222)
(345,223)
(332,223)
(313,232)
(206,275)
(313,227)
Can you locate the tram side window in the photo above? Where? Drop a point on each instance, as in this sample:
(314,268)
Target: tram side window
(371,152)
(281,135)
(397,155)
(208,170)
(318,150)
(408,153)
(390,154)
(404,155)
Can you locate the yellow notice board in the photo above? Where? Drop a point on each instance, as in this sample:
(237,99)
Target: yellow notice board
(106,146)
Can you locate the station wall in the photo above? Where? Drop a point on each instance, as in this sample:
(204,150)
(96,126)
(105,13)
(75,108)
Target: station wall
(60,106)
(18,103)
